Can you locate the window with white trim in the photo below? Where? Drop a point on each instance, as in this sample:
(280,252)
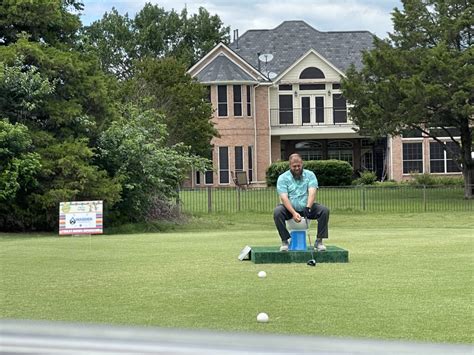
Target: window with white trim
(223,165)
(340,150)
(209,177)
(237,100)
(239,158)
(250,162)
(441,160)
(412,157)
(310,150)
(222,100)
(249,100)
(197,180)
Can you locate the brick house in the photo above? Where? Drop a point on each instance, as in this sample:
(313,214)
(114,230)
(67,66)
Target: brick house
(276,92)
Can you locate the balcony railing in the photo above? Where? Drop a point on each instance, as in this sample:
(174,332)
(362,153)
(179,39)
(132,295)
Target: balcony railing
(281,117)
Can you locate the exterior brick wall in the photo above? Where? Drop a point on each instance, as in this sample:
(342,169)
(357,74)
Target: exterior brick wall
(263,132)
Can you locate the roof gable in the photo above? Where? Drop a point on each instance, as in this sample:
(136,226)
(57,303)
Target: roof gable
(291,40)
(222,69)
(222,64)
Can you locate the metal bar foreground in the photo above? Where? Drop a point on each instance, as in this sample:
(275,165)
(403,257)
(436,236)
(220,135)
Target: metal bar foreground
(35,337)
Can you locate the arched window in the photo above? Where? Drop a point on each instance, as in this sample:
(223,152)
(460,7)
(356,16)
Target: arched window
(340,150)
(312,73)
(310,150)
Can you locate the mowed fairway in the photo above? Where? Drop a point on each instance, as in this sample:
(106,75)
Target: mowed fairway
(410,277)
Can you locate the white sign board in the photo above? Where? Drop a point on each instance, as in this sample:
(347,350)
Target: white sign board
(80,217)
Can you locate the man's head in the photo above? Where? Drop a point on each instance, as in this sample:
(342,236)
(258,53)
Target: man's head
(296,165)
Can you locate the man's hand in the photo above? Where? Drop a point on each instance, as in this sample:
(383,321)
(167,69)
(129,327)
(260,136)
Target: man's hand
(297,217)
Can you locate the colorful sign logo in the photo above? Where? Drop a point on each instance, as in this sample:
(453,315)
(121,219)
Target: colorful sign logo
(80,217)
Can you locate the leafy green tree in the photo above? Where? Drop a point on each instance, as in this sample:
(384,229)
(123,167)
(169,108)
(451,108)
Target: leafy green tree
(22,90)
(82,102)
(134,150)
(171,91)
(47,21)
(422,77)
(68,174)
(153,33)
(19,165)
(113,40)
(65,100)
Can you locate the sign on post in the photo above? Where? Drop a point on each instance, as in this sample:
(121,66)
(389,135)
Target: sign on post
(80,217)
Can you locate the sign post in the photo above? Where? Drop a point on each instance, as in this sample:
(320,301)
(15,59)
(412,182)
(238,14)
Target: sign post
(80,217)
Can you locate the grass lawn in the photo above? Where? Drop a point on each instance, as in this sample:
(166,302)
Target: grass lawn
(410,277)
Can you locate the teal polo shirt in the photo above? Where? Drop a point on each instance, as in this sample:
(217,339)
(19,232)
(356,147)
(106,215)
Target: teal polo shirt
(297,190)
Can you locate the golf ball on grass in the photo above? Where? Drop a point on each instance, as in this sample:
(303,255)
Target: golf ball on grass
(262,318)
(262,274)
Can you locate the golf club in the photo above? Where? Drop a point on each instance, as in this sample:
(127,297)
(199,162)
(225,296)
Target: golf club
(311,262)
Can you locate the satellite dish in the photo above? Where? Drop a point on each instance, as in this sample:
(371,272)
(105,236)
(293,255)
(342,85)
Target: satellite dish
(271,75)
(267,57)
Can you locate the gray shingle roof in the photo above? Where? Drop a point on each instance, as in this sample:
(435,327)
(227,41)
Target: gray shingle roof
(222,68)
(292,39)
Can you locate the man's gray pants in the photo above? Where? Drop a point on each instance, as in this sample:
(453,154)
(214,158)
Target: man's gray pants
(318,212)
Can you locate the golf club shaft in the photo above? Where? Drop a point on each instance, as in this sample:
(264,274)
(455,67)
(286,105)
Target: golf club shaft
(310,244)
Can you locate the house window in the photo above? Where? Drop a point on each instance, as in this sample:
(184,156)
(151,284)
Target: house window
(198,178)
(312,73)
(237,100)
(367,160)
(312,86)
(336,86)
(209,177)
(310,150)
(250,162)
(319,105)
(340,150)
(222,100)
(223,165)
(412,133)
(286,109)
(285,87)
(412,158)
(339,108)
(249,100)
(208,93)
(441,161)
(239,158)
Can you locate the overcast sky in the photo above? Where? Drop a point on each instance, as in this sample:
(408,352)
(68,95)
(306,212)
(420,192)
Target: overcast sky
(323,15)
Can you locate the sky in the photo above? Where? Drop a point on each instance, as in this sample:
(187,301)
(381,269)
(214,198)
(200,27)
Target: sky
(323,15)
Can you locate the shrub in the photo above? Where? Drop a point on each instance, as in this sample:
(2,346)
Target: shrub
(433,180)
(366,178)
(328,172)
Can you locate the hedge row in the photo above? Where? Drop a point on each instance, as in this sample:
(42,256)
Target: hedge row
(328,172)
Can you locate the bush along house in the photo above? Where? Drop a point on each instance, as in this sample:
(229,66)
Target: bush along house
(276,92)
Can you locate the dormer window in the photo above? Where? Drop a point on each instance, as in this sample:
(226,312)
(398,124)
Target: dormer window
(312,73)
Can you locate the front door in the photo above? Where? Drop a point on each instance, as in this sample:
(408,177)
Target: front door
(312,109)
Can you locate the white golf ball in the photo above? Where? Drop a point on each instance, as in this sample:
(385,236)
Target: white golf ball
(262,318)
(262,274)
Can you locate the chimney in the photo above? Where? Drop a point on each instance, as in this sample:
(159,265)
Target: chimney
(236,38)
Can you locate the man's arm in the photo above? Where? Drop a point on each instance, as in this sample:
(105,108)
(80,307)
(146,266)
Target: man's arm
(286,202)
(311,196)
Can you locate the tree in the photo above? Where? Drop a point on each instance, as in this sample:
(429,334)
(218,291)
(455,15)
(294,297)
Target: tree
(170,90)
(65,100)
(47,21)
(19,165)
(113,40)
(153,33)
(134,151)
(421,78)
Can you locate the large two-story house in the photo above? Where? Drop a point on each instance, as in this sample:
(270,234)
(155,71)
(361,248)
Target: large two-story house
(276,92)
